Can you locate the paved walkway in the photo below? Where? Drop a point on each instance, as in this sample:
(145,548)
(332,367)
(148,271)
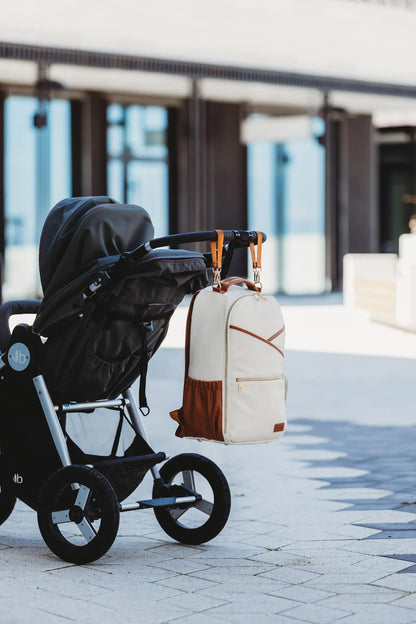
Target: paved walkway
(323,524)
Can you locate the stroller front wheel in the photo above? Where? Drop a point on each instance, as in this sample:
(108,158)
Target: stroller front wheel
(205,519)
(78,514)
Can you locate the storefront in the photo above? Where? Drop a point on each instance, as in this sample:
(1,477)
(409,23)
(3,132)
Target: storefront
(250,132)
(279,185)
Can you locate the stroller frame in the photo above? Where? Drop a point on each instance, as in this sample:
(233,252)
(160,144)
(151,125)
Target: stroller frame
(129,403)
(50,410)
(90,494)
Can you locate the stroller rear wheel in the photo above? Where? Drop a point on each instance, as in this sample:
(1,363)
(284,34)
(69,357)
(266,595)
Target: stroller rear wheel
(7,498)
(78,514)
(202,521)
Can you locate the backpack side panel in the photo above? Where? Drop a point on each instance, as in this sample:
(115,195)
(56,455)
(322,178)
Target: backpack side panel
(207,356)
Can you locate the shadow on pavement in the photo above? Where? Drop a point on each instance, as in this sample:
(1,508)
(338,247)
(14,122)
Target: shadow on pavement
(388,457)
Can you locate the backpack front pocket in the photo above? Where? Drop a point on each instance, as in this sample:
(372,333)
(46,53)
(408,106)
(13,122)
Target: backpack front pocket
(256,409)
(243,380)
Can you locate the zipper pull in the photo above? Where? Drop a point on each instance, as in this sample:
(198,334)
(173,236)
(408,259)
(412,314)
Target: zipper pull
(240,384)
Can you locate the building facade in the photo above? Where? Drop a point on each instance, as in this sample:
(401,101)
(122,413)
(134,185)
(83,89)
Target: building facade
(295,118)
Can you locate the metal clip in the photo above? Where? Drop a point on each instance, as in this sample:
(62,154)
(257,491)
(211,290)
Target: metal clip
(102,279)
(217,277)
(257,278)
(92,288)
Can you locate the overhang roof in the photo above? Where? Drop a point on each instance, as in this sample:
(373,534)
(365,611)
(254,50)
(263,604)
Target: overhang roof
(321,45)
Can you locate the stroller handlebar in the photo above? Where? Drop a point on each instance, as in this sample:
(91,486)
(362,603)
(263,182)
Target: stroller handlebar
(239,238)
(234,238)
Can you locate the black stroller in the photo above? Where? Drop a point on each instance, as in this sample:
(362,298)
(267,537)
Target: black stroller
(109,293)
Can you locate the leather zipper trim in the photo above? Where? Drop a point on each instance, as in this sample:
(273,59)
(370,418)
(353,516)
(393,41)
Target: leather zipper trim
(245,331)
(277,334)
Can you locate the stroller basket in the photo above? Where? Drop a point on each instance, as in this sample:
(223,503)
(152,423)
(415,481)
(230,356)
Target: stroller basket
(110,290)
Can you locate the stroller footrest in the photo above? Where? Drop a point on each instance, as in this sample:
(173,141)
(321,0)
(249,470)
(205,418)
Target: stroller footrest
(170,502)
(135,460)
(170,496)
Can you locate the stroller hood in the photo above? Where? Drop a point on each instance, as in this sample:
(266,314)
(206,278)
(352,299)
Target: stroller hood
(80,231)
(97,345)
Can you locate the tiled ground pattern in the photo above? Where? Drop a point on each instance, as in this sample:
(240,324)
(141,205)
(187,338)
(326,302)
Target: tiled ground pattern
(322,527)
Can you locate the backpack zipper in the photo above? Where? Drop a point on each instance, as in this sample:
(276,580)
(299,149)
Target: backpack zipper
(241,380)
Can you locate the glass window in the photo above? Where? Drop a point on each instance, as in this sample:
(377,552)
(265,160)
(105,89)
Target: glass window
(286,199)
(138,160)
(60,179)
(115,141)
(262,208)
(115,179)
(37,175)
(147,184)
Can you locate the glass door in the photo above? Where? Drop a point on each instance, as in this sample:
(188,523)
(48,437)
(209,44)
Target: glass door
(137,154)
(37,175)
(286,199)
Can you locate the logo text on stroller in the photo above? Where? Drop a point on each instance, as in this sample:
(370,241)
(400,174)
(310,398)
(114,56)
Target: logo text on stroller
(19,356)
(17,478)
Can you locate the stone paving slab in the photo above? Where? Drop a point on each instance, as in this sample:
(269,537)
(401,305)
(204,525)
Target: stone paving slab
(322,527)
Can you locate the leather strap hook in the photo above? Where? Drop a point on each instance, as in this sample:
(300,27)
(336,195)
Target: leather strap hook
(257,259)
(216,253)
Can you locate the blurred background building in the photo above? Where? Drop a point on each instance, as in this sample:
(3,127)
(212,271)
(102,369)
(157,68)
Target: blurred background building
(297,117)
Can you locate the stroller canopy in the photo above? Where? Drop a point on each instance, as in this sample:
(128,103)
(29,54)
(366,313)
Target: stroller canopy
(81,236)
(80,231)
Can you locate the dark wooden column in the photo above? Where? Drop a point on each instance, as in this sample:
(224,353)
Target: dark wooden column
(226,177)
(76,147)
(180,174)
(363,231)
(211,169)
(89,145)
(226,162)
(332,267)
(190,161)
(351,219)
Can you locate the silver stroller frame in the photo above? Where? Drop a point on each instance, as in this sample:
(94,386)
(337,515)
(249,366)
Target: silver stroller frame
(129,403)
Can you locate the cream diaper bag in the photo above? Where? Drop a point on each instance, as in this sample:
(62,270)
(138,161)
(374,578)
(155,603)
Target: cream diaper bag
(235,387)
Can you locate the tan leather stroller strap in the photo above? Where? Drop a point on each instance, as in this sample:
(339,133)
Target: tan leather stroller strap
(216,250)
(257,260)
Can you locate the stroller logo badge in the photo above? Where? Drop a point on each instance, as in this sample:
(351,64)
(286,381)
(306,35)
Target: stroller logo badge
(18,479)
(19,356)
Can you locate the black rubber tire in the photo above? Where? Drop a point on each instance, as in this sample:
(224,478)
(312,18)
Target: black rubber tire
(7,497)
(221,503)
(57,496)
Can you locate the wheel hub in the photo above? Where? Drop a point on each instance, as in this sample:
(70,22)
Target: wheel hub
(76,514)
